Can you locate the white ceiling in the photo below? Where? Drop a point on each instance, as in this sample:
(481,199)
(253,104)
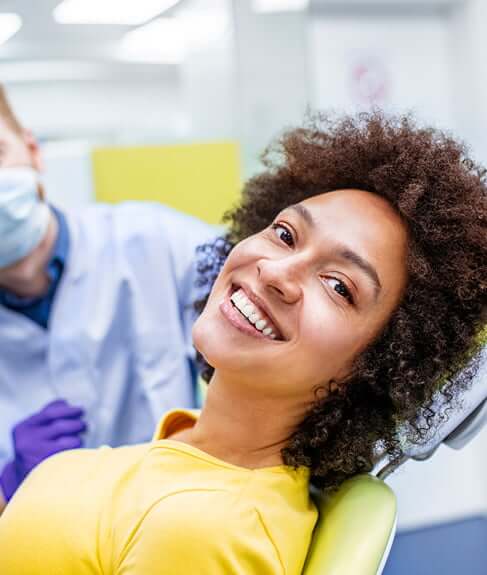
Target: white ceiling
(42,39)
(44,50)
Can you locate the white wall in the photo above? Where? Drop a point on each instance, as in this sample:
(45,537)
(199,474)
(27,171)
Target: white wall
(272,83)
(397,63)
(209,71)
(67,175)
(467,52)
(124,110)
(449,486)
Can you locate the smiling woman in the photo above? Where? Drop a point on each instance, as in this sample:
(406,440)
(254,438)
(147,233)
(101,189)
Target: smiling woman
(366,238)
(323,304)
(350,283)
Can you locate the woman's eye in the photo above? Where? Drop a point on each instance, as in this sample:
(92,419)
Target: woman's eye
(284,234)
(342,289)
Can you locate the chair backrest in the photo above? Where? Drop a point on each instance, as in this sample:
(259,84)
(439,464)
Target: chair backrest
(355,529)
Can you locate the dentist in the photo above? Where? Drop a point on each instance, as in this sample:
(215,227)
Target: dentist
(95,315)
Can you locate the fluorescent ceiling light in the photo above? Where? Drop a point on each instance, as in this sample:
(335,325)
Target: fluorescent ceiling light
(161,40)
(279,5)
(10,24)
(121,12)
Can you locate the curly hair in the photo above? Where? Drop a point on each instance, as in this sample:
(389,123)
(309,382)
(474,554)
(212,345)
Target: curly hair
(431,344)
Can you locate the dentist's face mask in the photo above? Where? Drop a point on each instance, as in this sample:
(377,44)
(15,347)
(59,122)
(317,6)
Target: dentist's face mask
(24,218)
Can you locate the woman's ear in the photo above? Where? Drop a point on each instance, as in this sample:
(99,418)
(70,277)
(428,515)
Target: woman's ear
(335,386)
(331,387)
(338,384)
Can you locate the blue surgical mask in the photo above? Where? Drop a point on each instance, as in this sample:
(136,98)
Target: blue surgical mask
(24,218)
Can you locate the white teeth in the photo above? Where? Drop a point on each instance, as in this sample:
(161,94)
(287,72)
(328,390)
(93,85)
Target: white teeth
(248,309)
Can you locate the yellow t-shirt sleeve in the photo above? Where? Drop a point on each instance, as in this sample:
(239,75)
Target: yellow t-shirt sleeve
(200,532)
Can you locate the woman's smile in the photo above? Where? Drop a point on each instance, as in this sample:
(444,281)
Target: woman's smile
(236,318)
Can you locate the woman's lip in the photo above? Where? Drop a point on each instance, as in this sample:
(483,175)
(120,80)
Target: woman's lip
(262,310)
(231,313)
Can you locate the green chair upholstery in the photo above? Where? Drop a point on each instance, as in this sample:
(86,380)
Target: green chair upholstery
(355,529)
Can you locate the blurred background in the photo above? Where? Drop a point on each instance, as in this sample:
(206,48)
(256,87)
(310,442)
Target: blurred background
(175,100)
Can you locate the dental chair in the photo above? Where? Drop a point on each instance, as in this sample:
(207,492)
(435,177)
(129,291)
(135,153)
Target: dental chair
(356,526)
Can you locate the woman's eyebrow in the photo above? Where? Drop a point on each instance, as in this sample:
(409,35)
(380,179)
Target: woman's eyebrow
(305,214)
(343,251)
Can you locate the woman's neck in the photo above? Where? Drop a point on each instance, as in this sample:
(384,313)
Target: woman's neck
(241,428)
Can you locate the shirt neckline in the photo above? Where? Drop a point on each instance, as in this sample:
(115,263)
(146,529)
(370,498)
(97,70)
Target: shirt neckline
(165,425)
(204,456)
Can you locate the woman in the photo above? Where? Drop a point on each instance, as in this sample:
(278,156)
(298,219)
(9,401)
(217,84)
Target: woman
(352,281)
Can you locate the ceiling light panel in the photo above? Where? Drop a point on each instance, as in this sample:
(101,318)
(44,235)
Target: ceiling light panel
(116,12)
(10,24)
(279,5)
(162,40)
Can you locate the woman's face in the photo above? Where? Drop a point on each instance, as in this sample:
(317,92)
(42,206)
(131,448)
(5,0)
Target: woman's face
(325,275)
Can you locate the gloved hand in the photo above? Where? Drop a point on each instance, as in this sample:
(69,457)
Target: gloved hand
(55,428)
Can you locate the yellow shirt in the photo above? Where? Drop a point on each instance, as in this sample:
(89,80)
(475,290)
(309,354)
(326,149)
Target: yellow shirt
(161,508)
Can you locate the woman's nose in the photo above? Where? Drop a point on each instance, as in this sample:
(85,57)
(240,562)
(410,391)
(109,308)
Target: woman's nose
(281,276)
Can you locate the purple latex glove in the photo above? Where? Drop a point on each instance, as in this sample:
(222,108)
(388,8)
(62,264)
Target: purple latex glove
(55,428)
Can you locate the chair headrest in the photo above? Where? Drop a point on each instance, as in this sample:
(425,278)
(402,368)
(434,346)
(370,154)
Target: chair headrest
(470,427)
(463,424)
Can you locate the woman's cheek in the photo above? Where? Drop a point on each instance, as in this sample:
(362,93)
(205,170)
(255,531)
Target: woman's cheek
(327,338)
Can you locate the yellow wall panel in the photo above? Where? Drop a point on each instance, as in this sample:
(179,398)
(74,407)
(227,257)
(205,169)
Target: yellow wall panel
(199,179)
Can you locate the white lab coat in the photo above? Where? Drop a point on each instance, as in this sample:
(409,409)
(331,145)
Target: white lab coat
(119,337)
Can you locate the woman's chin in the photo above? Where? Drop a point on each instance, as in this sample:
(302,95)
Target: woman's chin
(230,347)
(221,350)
